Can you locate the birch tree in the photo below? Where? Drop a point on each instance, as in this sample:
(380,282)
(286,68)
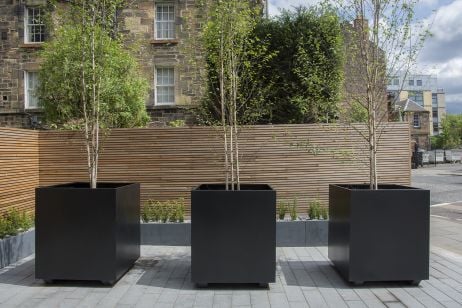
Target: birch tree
(228,41)
(87,80)
(384,40)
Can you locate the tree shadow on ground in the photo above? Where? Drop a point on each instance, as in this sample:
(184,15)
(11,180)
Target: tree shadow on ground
(175,273)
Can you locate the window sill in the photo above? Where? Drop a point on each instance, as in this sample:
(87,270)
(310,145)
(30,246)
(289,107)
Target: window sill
(166,106)
(165,42)
(31,45)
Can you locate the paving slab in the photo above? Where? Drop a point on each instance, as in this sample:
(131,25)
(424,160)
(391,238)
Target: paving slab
(304,278)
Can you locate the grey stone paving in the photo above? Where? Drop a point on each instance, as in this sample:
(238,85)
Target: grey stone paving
(305,278)
(444,182)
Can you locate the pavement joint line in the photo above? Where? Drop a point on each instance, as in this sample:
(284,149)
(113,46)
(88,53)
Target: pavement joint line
(447,253)
(438,216)
(444,204)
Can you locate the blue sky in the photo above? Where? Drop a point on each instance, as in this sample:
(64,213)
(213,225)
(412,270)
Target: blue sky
(442,54)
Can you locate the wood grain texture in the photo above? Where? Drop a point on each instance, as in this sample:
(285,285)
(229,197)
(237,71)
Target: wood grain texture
(19,169)
(169,162)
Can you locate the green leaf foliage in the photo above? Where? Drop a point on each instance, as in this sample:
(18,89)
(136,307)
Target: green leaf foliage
(163,211)
(307,72)
(292,66)
(451,133)
(14,222)
(229,39)
(122,92)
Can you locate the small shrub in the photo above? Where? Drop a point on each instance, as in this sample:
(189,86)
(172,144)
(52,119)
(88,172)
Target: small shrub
(181,208)
(314,211)
(155,211)
(146,213)
(172,212)
(293,210)
(164,211)
(176,123)
(324,213)
(282,210)
(15,222)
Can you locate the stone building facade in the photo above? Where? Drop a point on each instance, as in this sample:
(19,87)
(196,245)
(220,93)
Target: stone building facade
(419,119)
(18,58)
(164,34)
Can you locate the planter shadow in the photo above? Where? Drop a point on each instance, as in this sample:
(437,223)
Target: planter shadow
(322,274)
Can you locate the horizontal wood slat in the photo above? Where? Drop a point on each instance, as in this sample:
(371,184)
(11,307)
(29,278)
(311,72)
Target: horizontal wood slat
(169,162)
(19,169)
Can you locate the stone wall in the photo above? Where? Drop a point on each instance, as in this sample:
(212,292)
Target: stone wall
(420,135)
(183,53)
(136,23)
(15,58)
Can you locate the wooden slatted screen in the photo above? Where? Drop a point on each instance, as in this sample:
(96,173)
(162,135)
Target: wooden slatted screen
(296,160)
(19,169)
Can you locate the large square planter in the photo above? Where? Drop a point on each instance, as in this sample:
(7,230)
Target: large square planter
(87,234)
(379,235)
(233,234)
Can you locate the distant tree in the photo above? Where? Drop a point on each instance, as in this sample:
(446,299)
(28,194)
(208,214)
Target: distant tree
(87,80)
(450,136)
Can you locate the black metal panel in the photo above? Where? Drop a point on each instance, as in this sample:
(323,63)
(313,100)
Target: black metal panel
(379,235)
(79,231)
(233,234)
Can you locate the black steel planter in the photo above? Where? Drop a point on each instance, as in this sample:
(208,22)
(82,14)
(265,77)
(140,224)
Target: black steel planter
(379,235)
(87,234)
(233,234)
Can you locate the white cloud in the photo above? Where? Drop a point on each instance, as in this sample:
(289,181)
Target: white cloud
(442,52)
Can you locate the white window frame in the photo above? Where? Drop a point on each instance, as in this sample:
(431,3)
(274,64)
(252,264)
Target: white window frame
(27,25)
(169,21)
(156,85)
(27,91)
(419,83)
(416,120)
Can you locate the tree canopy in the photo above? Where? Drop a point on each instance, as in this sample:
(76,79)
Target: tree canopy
(450,136)
(291,72)
(306,73)
(122,90)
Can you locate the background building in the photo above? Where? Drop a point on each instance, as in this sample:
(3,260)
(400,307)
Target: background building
(169,53)
(423,90)
(419,122)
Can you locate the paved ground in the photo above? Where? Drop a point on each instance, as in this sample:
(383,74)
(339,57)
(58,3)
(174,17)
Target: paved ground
(305,277)
(444,182)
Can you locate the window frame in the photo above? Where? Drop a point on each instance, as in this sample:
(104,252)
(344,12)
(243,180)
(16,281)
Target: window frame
(411,82)
(414,120)
(27,25)
(419,82)
(27,90)
(156,85)
(156,21)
